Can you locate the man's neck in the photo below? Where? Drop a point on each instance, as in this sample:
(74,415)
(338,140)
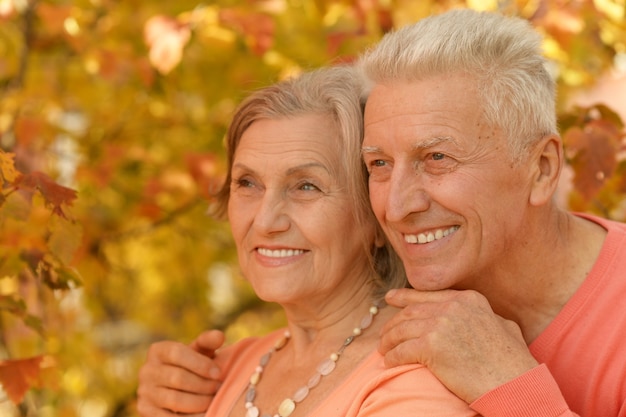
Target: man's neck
(545,274)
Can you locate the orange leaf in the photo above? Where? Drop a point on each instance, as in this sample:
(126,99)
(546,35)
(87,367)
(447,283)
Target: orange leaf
(53,17)
(54,194)
(594,150)
(27,130)
(17,376)
(205,171)
(258,28)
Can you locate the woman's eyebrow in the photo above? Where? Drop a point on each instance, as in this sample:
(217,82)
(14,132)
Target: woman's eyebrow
(303,167)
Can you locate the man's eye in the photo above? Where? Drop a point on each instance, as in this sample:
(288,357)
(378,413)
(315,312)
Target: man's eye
(438,156)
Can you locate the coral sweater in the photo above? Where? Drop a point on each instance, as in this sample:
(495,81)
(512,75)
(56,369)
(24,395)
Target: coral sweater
(370,390)
(582,352)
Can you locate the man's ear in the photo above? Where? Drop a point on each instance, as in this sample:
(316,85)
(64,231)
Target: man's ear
(546,165)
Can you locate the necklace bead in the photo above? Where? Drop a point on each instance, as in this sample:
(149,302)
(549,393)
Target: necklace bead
(288,405)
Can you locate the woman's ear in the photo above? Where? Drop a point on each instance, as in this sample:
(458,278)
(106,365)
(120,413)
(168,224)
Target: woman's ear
(546,165)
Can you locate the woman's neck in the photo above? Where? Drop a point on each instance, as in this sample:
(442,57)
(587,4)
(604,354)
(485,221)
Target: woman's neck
(325,327)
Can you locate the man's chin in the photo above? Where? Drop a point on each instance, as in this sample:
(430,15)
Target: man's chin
(429,279)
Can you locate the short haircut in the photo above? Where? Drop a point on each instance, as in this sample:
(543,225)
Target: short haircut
(502,54)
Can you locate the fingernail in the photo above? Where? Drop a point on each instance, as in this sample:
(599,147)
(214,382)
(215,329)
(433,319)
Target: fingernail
(391,293)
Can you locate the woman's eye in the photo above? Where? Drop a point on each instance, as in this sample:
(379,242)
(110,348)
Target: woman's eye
(438,156)
(308,187)
(243,183)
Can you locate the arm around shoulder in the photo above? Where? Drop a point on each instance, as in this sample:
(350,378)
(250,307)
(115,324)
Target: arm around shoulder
(534,393)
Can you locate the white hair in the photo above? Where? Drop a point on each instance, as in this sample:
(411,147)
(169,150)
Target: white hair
(502,54)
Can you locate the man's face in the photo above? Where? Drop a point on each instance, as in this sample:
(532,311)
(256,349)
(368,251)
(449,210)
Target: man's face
(442,182)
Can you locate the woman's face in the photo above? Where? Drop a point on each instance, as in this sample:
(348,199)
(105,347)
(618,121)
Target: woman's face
(291,214)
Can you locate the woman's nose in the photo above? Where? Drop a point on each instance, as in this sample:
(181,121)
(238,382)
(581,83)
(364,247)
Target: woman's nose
(271,214)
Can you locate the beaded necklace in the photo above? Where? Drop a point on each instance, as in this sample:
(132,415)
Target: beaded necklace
(288,405)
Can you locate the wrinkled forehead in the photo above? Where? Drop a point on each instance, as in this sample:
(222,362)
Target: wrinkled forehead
(314,137)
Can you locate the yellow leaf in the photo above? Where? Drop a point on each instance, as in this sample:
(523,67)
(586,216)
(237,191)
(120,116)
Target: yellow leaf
(7,167)
(65,238)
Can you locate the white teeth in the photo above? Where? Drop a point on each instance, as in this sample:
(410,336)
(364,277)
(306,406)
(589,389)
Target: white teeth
(280,253)
(410,238)
(430,236)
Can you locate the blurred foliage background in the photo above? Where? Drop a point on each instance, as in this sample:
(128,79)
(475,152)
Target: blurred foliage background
(112,118)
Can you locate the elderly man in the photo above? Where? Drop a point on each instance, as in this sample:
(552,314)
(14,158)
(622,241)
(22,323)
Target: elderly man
(518,306)
(464,158)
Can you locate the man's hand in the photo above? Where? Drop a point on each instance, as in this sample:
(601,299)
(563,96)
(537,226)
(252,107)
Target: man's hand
(458,337)
(180,379)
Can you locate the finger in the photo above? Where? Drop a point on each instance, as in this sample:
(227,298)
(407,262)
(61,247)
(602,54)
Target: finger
(186,403)
(176,378)
(402,329)
(147,409)
(412,312)
(208,342)
(172,400)
(183,356)
(402,297)
(404,353)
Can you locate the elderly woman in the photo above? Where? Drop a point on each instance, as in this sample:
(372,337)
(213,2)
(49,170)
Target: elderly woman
(296,199)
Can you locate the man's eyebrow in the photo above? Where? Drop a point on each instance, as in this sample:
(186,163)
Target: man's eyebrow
(370,149)
(426,144)
(434,141)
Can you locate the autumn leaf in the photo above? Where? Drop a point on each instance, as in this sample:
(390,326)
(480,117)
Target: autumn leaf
(204,170)
(166,38)
(17,307)
(53,17)
(28,129)
(17,376)
(592,151)
(55,275)
(65,238)
(54,194)
(257,28)
(12,305)
(7,168)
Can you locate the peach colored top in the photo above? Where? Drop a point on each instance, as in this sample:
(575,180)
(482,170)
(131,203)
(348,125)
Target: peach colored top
(370,390)
(583,351)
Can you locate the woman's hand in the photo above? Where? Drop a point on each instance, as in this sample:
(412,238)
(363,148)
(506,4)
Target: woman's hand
(180,379)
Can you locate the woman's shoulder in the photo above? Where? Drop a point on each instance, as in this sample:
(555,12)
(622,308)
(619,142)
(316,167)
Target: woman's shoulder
(401,390)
